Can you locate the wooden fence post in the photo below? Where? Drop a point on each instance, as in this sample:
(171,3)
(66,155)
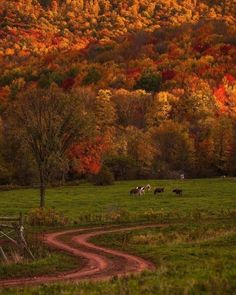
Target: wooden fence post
(3,254)
(17,225)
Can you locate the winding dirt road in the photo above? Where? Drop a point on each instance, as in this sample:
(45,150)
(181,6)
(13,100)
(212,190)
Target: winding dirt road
(99,263)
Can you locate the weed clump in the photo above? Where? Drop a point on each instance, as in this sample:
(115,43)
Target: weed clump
(45,217)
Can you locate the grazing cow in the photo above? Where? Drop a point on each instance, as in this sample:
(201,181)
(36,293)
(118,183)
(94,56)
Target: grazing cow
(148,187)
(159,190)
(142,189)
(136,191)
(178,191)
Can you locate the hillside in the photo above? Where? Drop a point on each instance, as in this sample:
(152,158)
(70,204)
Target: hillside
(150,71)
(39,26)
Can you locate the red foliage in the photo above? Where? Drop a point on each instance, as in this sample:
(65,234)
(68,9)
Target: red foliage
(230,79)
(3,34)
(221,94)
(48,59)
(3,94)
(168,75)
(201,47)
(55,40)
(133,72)
(203,70)
(83,52)
(225,49)
(68,83)
(89,155)
(152,41)
(35,33)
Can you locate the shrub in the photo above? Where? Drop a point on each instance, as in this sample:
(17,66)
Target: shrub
(118,215)
(104,177)
(47,217)
(153,215)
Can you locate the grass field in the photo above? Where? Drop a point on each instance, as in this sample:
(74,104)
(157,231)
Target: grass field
(190,258)
(51,263)
(208,195)
(193,255)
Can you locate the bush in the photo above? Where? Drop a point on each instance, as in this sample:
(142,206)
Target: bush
(47,217)
(104,177)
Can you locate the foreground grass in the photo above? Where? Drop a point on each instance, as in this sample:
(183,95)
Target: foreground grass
(206,195)
(52,263)
(190,258)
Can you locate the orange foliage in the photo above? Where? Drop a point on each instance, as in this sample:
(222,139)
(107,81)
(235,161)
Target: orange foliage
(87,155)
(225,100)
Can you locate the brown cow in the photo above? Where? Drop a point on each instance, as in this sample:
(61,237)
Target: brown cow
(178,191)
(159,190)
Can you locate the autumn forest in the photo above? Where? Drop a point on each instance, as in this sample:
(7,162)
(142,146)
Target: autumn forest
(147,86)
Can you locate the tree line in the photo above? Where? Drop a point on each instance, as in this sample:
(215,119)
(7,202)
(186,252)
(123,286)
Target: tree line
(142,105)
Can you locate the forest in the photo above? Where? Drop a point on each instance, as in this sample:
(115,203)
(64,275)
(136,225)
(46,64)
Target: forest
(156,81)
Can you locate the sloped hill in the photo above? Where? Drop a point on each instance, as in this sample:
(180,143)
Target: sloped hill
(39,26)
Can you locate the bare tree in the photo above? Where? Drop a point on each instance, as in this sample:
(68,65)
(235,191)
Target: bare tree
(48,122)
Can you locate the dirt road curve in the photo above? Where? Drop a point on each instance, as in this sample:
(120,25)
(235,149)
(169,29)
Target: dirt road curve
(99,263)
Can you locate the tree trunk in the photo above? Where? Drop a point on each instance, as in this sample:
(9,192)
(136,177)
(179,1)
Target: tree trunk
(42,189)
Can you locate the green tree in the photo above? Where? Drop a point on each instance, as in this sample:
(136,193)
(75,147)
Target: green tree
(149,81)
(45,3)
(92,77)
(123,167)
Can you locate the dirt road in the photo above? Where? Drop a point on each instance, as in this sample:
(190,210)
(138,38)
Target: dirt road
(99,263)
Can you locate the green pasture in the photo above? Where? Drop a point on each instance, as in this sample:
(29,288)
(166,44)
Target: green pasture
(208,195)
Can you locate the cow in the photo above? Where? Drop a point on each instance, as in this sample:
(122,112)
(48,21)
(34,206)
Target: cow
(147,187)
(178,191)
(159,190)
(142,189)
(136,191)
